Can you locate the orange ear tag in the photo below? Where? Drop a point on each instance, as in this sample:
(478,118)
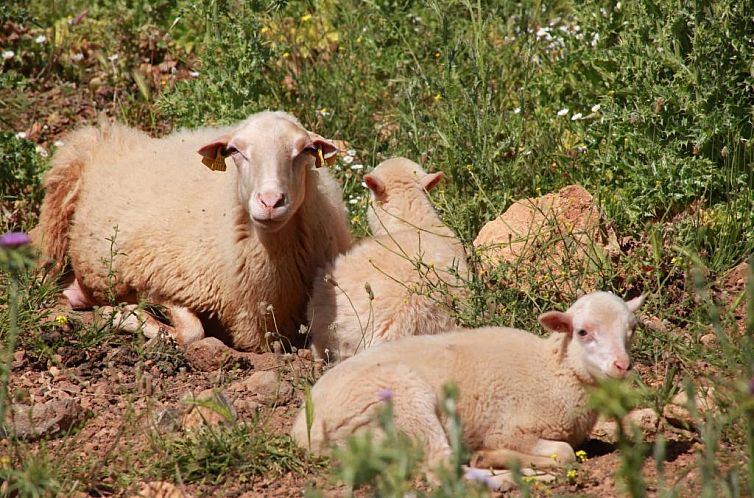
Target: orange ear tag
(216,164)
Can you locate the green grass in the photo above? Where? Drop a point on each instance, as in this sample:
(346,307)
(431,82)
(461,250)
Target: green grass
(646,104)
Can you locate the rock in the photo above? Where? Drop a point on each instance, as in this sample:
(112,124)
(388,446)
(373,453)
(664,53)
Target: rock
(210,408)
(552,239)
(265,387)
(166,420)
(709,340)
(42,420)
(160,489)
(208,354)
(646,419)
(677,413)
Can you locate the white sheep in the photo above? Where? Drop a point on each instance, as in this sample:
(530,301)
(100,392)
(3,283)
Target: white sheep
(520,396)
(397,283)
(143,218)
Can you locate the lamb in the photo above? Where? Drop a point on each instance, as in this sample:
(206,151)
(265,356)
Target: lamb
(399,282)
(237,248)
(520,396)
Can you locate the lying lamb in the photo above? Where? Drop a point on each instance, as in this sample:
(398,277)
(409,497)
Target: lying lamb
(239,247)
(397,283)
(520,396)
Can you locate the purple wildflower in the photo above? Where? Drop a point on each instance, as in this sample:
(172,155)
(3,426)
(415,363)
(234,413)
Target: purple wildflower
(385,394)
(14,239)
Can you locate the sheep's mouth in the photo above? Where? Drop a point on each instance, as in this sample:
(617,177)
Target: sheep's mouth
(269,224)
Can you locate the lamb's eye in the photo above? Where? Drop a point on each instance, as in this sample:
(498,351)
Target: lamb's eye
(582,333)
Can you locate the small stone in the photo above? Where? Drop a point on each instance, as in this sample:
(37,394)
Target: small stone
(160,489)
(41,420)
(265,386)
(677,413)
(18,358)
(166,420)
(208,354)
(709,340)
(210,408)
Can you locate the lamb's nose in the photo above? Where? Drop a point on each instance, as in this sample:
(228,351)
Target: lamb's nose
(271,199)
(623,366)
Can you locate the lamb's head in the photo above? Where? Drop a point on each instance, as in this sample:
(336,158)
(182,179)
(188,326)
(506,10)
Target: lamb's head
(599,328)
(398,188)
(273,153)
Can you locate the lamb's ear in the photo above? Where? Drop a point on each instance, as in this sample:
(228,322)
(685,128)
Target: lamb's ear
(557,321)
(375,184)
(326,147)
(635,303)
(214,153)
(431,180)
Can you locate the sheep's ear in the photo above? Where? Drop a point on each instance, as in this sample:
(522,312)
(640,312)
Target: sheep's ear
(327,149)
(635,303)
(214,154)
(375,184)
(431,180)
(557,321)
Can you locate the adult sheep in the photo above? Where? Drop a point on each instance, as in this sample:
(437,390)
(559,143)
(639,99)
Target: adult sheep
(521,396)
(142,218)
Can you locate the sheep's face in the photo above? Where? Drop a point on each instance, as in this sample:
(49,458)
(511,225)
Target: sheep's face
(273,154)
(600,326)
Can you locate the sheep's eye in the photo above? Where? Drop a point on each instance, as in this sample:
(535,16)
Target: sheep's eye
(582,333)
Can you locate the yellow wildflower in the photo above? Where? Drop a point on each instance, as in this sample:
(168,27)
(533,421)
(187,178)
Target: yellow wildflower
(286,55)
(437,97)
(571,474)
(581,455)
(61,320)
(437,55)
(264,29)
(4,461)
(306,18)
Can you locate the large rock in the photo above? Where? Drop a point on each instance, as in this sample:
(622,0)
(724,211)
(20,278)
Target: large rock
(646,419)
(208,354)
(49,419)
(553,240)
(677,411)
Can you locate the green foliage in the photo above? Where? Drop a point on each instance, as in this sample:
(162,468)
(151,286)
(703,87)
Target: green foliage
(214,453)
(20,181)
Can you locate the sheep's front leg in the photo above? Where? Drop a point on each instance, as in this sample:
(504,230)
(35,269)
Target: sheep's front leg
(132,319)
(543,454)
(187,327)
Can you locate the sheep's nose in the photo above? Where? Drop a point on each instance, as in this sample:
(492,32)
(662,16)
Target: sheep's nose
(271,200)
(622,365)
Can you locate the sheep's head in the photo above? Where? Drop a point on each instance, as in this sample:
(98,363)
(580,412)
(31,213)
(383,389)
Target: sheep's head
(599,326)
(273,153)
(391,184)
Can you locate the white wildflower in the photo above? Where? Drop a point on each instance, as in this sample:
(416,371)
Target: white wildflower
(516,110)
(8,54)
(348,159)
(357,166)
(353,201)
(40,39)
(21,135)
(42,151)
(113,58)
(58,143)
(194,74)
(351,152)
(576,116)
(77,57)
(596,107)
(595,39)
(563,112)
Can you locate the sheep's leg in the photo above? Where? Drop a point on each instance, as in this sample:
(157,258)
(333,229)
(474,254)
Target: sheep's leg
(188,327)
(76,296)
(502,480)
(132,319)
(542,455)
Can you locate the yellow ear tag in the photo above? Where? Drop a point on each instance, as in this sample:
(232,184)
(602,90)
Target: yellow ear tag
(216,164)
(321,157)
